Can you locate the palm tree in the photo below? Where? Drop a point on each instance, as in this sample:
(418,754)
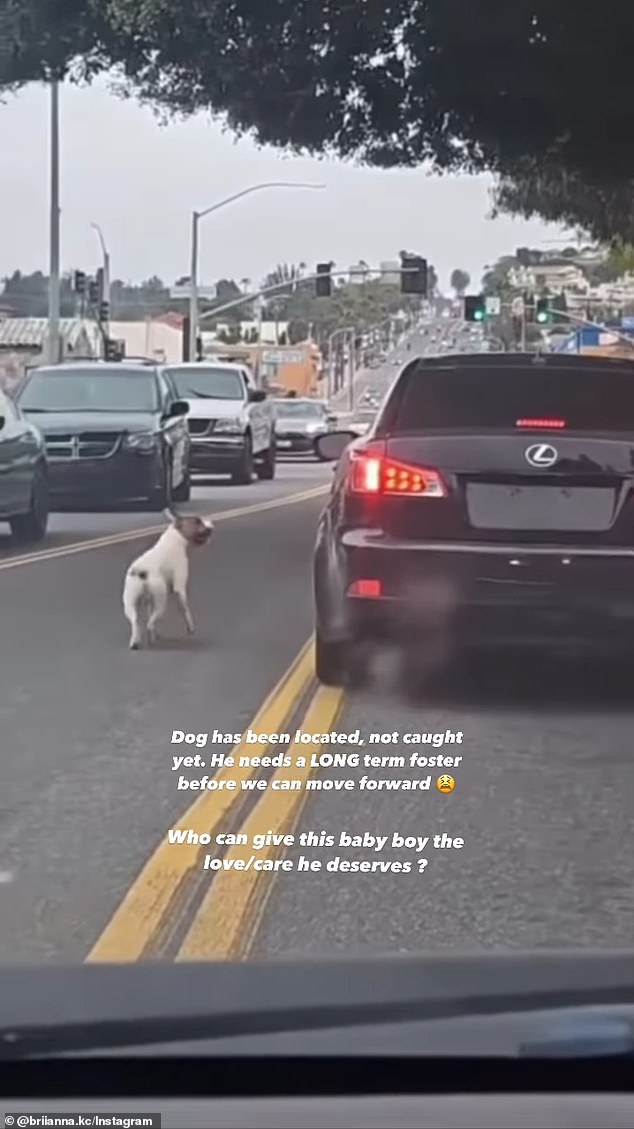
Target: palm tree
(459,281)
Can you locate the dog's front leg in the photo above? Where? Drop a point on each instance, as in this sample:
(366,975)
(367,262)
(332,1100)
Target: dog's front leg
(181,598)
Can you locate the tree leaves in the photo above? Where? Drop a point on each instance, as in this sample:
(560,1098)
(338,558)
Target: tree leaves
(601,206)
(458,84)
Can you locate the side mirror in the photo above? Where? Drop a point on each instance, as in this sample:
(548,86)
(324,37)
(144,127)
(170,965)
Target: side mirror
(331,447)
(331,419)
(256,396)
(179,408)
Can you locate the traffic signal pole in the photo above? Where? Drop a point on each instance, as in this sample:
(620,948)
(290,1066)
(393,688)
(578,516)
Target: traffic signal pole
(266,291)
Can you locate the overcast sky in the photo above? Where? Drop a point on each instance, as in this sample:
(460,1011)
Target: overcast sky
(140,181)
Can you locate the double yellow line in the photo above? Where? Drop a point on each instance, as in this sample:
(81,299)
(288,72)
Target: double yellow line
(177,911)
(91,543)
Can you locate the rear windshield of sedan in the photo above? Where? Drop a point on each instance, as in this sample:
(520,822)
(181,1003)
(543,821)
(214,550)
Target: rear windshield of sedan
(82,390)
(480,398)
(208,383)
(294,409)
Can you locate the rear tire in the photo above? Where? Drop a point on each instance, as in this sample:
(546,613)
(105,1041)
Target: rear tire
(341,664)
(31,527)
(331,662)
(183,492)
(162,496)
(266,469)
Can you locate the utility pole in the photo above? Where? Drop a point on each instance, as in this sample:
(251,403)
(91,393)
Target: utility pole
(193,290)
(53,336)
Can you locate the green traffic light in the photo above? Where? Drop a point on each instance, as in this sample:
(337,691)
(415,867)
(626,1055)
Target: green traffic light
(542,316)
(478,315)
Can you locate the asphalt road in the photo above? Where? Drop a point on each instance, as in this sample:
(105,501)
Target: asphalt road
(543,800)
(86,784)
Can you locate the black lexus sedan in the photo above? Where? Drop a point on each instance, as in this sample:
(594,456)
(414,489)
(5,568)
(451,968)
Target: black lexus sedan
(23,474)
(491,503)
(114,433)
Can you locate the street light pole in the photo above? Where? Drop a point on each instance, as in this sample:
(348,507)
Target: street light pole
(193,288)
(105,331)
(105,255)
(196,218)
(53,336)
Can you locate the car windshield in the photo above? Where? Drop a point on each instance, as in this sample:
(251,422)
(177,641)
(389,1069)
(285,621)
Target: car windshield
(498,396)
(294,409)
(378,700)
(205,382)
(89,390)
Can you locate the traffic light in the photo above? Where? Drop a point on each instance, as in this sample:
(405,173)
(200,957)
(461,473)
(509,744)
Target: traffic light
(113,350)
(104,311)
(413,275)
(93,291)
(323,282)
(542,311)
(79,282)
(474,307)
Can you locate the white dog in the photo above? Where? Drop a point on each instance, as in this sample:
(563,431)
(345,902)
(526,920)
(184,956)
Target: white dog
(162,570)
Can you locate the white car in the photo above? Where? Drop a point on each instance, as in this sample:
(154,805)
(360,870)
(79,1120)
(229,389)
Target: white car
(231,421)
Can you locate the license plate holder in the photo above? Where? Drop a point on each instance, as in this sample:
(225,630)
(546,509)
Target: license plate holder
(565,509)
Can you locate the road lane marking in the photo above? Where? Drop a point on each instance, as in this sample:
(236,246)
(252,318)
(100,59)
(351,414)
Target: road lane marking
(229,916)
(161,888)
(149,530)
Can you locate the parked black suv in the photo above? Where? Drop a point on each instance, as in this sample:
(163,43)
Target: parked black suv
(113,432)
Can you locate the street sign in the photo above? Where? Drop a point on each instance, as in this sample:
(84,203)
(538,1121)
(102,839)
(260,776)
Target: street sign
(517,307)
(493,305)
(282,356)
(183,290)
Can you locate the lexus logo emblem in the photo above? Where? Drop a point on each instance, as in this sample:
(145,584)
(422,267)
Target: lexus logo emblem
(541,455)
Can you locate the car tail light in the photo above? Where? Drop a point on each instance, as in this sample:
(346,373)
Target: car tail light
(367,589)
(378,474)
(541,424)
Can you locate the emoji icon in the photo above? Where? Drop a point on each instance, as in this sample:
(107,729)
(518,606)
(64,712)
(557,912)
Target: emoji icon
(445,784)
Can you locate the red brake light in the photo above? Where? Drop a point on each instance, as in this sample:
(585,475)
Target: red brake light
(542,424)
(367,589)
(374,474)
